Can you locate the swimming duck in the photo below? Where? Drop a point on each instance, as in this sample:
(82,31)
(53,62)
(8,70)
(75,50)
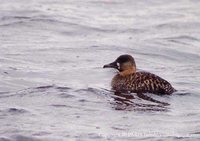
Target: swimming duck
(128,79)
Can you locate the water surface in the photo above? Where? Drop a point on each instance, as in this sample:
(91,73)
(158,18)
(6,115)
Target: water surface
(53,86)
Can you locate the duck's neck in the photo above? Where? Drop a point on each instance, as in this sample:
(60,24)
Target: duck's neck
(128,71)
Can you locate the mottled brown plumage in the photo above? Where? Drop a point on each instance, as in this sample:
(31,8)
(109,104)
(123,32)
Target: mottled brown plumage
(142,82)
(139,82)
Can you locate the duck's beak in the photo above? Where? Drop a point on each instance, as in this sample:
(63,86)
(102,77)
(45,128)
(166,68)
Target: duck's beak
(111,65)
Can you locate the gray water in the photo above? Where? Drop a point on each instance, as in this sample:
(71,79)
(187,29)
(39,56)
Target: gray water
(53,86)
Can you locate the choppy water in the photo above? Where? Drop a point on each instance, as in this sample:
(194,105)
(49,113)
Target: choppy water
(53,87)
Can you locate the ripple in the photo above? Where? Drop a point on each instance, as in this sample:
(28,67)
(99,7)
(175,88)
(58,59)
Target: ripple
(66,95)
(39,89)
(59,105)
(25,138)
(14,17)
(62,88)
(178,25)
(41,133)
(182,93)
(183,37)
(17,111)
(44,87)
(4,139)
(137,102)
(198,133)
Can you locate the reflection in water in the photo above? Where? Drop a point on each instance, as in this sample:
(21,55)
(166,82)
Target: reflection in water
(129,101)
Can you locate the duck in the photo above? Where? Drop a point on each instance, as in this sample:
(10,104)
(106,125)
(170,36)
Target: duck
(129,80)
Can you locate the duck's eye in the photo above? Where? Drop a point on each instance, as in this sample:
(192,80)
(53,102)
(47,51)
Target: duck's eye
(118,65)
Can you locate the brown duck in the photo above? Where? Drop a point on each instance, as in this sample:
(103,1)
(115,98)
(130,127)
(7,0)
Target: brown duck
(138,82)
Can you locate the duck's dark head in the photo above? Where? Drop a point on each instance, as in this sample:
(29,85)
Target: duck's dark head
(124,63)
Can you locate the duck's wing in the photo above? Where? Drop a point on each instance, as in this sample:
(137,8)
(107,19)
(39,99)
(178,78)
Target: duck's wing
(152,83)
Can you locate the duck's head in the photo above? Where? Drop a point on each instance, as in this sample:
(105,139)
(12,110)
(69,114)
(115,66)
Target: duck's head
(125,64)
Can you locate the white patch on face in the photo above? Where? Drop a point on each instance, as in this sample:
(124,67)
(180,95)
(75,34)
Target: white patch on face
(118,65)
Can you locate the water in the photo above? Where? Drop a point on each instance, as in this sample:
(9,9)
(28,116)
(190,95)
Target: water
(53,86)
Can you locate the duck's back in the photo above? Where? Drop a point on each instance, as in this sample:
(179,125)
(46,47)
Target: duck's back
(144,82)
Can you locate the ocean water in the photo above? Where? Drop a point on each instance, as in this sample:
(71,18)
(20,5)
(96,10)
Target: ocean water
(53,86)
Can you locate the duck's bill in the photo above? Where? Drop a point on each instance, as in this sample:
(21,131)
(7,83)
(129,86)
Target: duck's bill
(111,65)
